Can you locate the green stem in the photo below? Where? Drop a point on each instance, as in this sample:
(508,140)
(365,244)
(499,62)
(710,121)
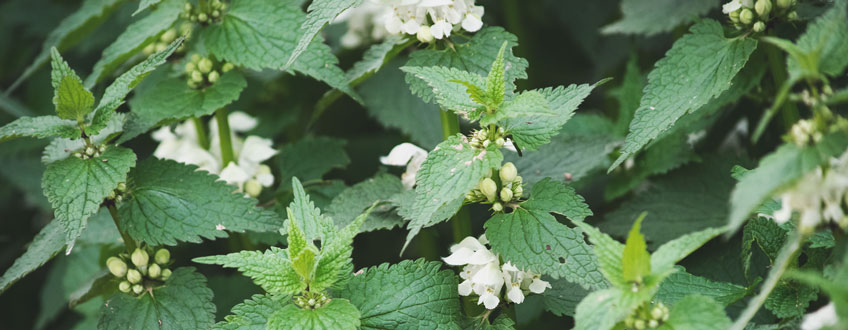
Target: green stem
(202,138)
(450,124)
(777,66)
(128,241)
(787,254)
(227,154)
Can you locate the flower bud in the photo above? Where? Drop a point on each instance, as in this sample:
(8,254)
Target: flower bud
(137,288)
(792,16)
(639,324)
(783,4)
(746,16)
(517,191)
(202,17)
(124,286)
(89,151)
(166,273)
(122,187)
(195,58)
(205,65)
(653,324)
(227,67)
(154,271)
(508,172)
(759,26)
(500,142)
(506,194)
(656,313)
(489,188)
(190,66)
(133,276)
(252,188)
(111,195)
(143,269)
(216,13)
(497,207)
(168,36)
(162,256)
(763,7)
(197,77)
(160,47)
(149,49)
(223,7)
(139,257)
(216,3)
(187,7)
(116,266)
(213,76)
(734,16)
(424,34)
(263,169)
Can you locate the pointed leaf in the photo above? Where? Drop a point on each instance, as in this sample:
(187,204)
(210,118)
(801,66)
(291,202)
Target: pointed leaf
(319,14)
(635,260)
(253,313)
(447,86)
(39,127)
(698,312)
(649,17)
(675,250)
(73,101)
(339,314)
(272,270)
(43,247)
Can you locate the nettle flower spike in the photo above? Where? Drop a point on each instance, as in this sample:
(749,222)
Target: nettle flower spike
(430,19)
(755,14)
(202,72)
(819,197)
(136,271)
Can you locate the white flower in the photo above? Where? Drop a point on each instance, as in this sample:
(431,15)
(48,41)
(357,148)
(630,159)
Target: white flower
(824,317)
(539,286)
(409,155)
(410,16)
(365,23)
(817,197)
(489,299)
(734,5)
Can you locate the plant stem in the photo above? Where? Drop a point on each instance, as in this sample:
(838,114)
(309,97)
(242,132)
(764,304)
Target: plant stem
(787,254)
(450,124)
(225,137)
(202,138)
(777,62)
(128,241)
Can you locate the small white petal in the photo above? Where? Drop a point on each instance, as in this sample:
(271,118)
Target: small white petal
(472,23)
(401,154)
(256,150)
(459,257)
(469,243)
(824,317)
(464,288)
(482,257)
(490,275)
(489,300)
(515,295)
(539,286)
(265,179)
(241,122)
(233,174)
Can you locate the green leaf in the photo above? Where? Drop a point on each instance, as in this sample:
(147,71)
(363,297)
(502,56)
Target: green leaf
(609,253)
(73,101)
(354,200)
(184,302)
(635,260)
(39,127)
(304,264)
(61,148)
(308,217)
(409,295)
(260,34)
(474,56)
(526,104)
(136,36)
(144,4)
(628,95)
(657,16)
(603,309)
(375,57)
(698,312)
(556,197)
(454,161)
(43,247)
(827,39)
(172,202)
(664,258)
(336,262)
(272,270)
(319,14)
(446,86)
(790,299)
(562,297)
(300,160)
(779,170)
(339,314)
(682,284)
(70,30)
(253,313)
(699,67)
(531,132)
(768,236)
(495,84)
(76,187)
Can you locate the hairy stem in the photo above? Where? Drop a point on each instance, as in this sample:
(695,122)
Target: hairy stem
(227,154)
(128,241)
(202,138)
(781,263)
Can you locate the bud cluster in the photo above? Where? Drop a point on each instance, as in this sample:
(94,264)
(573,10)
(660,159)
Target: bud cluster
(211,13)
(804,132)
(202,72)
(166,38)
(487,190)
(754,14)
(117,195)
(311,300)
(90,152)
(481,138)
(135,270)
(648,317)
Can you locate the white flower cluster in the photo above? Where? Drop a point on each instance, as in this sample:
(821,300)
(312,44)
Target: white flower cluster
(818,196)
(247,171)
(735,5)
(409,155)
(365,23)
(484,275)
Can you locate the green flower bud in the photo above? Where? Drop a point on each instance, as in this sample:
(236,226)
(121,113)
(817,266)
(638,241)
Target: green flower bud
(139,257)
(734,16)
(205,65)
(216,3)
(186,28)
(223,7)
(168,36)
(192,18)
(149,49)
(506,194)
(166,273)
(102,148)
(263,169)
(639,324)
(489,188)
(195,58)
(162,256)
(216,13)
(252,188)
(118,198)
(137,288)
(160,47)
(763,7)
(628,322)
(746,16)
(143,269)
(424,35)
(227,67)
(500,142)
(196,76)
(187,7)
(154,271)
(89,151)
(124,286)
(508,172)
(653,324)
(133,276)
(213,76)
(122,187)
(111,195)
(792,16)
(783,4)
(759,26)
(116,266)
(77,155)
(517,191)
(497,207)
(656,313)
(190,66)
(202,17)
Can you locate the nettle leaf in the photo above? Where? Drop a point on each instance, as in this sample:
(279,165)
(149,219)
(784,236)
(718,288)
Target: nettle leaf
(495,81)
(272,270)
(61,148)
(136,36)
(184,302)
(697,68)
(319,14)
(790,299)
(682,284)
(768,236)
(71,30)
(306,215)
(531,238)
(39,127)
(635,260)
(260,34)
(657,16)
(253,313)
(447,85)
(375,57)
(562,297)
(664,258)
(454,161)
(409,295)
(826,39)
(698,313)
(532,131)
(49,241)
(609,254)
(526,104)
(779,170)
(339,314)
(351,202)
(76,187)
(300,160)
(335,261)
(474,56)
(173,202)
(73,101)
(144,4)
(603,309)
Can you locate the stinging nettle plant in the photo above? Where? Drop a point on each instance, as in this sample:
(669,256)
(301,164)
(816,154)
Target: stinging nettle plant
(711,193)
